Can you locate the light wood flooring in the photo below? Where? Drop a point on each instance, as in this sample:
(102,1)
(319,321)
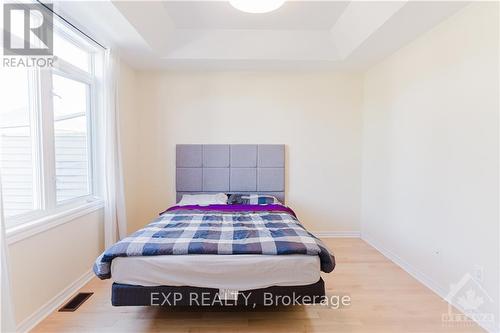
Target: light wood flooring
(384,299)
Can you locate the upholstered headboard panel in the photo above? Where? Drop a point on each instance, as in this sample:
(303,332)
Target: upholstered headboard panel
(230,169)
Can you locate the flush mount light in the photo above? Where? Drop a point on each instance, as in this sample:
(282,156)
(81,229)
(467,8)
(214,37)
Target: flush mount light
(256,6)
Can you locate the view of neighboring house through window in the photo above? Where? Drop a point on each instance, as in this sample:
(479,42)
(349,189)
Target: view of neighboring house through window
(18,142)
(47,131)
(70,102)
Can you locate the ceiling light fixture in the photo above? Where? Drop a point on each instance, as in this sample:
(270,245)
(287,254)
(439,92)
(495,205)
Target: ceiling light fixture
(256,6)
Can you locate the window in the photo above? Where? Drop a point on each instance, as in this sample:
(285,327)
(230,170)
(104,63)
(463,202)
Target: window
(48,131)
(17,144)
(71,112)
(71,53)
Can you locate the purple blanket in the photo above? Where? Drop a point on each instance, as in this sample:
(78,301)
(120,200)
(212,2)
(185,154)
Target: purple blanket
(234,208)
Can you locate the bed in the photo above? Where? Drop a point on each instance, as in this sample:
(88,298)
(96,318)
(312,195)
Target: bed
(244,254)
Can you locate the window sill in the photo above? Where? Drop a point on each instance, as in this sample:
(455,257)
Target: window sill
(25,230)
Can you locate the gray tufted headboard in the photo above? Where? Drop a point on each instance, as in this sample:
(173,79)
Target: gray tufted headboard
(230,169)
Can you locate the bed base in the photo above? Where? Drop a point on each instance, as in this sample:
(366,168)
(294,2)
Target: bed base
(129,295)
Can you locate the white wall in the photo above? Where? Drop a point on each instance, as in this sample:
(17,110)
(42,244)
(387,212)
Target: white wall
(43,265)
(430,157)
(318,117)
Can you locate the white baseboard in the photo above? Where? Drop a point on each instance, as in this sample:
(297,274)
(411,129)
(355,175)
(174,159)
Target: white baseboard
(35,318)
(417,274)
(337,234)
(421,277)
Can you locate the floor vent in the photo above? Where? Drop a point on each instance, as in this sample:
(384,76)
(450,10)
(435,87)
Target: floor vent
(75,302)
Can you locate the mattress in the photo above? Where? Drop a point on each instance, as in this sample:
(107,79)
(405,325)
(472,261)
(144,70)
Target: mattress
(236,272)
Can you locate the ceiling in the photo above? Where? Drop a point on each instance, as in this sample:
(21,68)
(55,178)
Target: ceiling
(221,15)
(338,35)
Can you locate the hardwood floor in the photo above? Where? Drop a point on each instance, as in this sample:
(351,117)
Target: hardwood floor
(384,299)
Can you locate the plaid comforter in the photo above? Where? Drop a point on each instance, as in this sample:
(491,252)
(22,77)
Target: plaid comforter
(273,230)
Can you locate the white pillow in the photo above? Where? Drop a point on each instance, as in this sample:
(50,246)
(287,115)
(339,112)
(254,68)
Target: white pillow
(203,199)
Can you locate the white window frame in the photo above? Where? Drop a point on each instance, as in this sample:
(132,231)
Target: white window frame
(47,211)
(65,70)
